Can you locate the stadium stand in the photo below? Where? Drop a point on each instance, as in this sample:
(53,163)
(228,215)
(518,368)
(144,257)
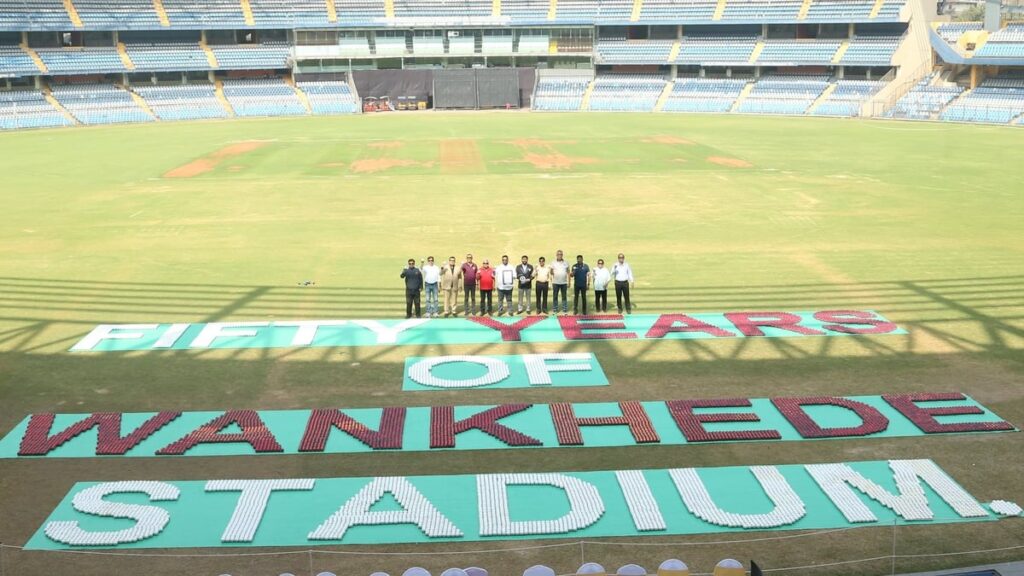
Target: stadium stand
(100,104)
(994,102)
(290,13)
(626,52)
(182,102)
(703,94)
(847,98)
(262,97)
(78,60)
(252,57)
(626,92)
(762,10)
(28,109)
(1006,43)
(705,50)
(870,50)
(798,51)
(560,93)
(779,94)
(526,11)
(952,31)
(208,14)
(117,14)
(677,10)
(167,56)
(34,15)
(329,97)
(14,60)
(923,101)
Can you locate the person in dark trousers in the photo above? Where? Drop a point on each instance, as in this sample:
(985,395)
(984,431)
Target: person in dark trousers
(543,275)
(580,279)
(560,283)
(485,277)
(623,276)
(602,276)
(524,272)
(413,285)
(468,274)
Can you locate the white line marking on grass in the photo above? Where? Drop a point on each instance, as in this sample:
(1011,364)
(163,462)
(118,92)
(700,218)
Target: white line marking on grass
(136,214)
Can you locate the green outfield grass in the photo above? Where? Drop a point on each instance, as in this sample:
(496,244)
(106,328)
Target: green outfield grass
(921,222)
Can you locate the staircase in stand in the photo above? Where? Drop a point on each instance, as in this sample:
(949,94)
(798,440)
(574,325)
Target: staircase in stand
(35,58)
(553,10)
(247,12)
(211,58)
(72,13)
(757,51)
(638,7)
(585,103)
(743,96)
(142,103)
(125,59)
(158,6)
(804,9)
(842,50)
(299,94)
(58,106)
(664,96)
(332,11)
(821,98)
(219,87)
(719,10)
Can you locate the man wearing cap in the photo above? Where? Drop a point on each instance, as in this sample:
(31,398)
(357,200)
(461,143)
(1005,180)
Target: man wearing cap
(413,284)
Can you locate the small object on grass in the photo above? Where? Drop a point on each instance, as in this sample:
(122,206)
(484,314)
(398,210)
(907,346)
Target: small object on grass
(307,283)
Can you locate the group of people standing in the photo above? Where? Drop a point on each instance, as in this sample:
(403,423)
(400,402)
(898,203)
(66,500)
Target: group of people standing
(540,280)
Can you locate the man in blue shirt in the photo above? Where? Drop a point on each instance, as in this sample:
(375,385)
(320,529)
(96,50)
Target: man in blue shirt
(413,285)
(580,277)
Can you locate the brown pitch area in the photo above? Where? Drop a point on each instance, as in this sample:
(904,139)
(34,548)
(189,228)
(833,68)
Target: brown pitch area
(207,163)
(460,156)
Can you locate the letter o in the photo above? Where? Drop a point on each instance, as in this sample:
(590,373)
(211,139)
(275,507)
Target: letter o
(421,372)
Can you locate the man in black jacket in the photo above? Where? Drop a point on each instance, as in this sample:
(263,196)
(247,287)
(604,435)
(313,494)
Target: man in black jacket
(413,285)
(524,272)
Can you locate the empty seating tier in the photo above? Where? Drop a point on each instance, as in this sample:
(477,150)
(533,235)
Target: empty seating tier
(704,94)
(182,102)
(100,104)
(330,97)
(626,92)
(263,97)
(560,93)
(28,109)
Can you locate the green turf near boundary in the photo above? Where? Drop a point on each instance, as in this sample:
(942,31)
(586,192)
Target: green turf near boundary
(917,221)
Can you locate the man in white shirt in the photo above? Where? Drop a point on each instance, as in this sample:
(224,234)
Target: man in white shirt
(431,279)
(623,276)
(505,276)
(560,281)
(602,276)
